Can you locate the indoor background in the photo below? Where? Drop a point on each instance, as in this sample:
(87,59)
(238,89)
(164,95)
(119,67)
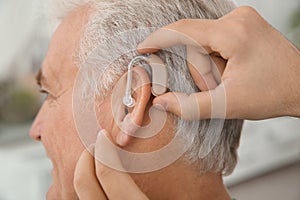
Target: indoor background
(269,163)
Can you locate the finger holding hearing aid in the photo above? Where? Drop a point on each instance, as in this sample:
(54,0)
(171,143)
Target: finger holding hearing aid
(255,65)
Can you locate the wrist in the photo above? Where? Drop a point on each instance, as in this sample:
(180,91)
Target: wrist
(294,102)
(295,107)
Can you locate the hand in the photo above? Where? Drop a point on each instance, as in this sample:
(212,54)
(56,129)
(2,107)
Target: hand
(261,67)
(95,181)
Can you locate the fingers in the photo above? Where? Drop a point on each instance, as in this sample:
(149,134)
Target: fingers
(203,105)
(116,184)
(86,183)
(193,32)
(185,106)
(199,35)
(200,67)
(218,67)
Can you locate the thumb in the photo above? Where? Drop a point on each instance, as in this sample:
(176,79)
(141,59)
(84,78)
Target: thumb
(196,106)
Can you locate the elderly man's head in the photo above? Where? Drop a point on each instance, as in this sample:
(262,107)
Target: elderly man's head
(100,38)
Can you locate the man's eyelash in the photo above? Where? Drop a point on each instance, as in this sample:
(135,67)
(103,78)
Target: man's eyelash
(43,91)
(48,94)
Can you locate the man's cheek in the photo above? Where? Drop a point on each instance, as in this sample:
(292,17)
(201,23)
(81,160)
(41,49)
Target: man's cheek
(105,121)
(104,115)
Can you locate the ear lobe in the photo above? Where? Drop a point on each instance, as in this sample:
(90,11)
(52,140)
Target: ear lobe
(127,129)
(131,122)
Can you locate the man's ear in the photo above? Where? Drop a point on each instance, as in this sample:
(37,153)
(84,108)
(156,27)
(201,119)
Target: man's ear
(129,120)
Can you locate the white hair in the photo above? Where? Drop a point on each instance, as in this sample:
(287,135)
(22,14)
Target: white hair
(107,28)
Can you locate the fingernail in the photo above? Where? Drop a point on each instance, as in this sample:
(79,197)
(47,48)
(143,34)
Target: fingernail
(160,102)
(101,132)
(91,149)
(159,106)
(121,139)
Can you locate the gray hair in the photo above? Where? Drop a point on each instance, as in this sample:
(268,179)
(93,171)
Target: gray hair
(116,27)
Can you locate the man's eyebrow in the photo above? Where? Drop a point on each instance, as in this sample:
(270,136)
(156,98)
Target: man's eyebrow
(39,77)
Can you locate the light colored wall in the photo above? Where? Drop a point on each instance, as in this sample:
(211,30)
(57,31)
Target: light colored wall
(23,34)
(277,185)
(276,12)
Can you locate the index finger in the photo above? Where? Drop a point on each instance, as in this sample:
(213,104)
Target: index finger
(194,32)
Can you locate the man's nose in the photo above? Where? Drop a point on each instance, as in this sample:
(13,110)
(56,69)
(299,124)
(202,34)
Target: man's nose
(35,132)
(36,128)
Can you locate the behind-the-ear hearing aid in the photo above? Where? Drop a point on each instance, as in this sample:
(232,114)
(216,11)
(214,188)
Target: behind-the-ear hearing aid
(159,77)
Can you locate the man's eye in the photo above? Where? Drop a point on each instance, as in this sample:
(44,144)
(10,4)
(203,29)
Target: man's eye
(48,96)
(44,91)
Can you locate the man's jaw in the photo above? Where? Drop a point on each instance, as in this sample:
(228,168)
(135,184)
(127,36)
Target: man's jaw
(58,189)
(54,191)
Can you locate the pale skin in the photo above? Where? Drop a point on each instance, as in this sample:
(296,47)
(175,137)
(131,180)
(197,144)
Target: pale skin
(76,174)
(54,125)
(261,68)
(267,85)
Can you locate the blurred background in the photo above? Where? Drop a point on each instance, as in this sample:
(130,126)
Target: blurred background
(269,163)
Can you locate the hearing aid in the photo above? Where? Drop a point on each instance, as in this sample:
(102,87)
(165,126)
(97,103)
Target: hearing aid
(159,77)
